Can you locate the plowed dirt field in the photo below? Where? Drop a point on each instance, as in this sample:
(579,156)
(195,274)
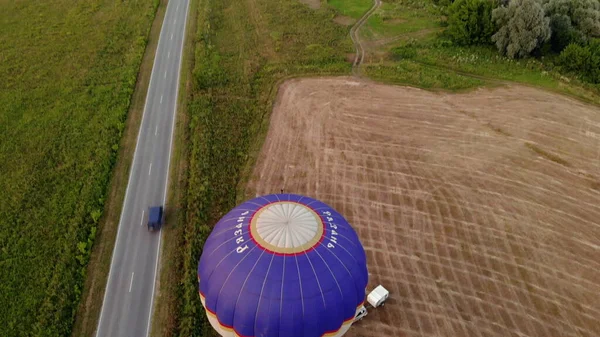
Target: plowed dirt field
(480,212)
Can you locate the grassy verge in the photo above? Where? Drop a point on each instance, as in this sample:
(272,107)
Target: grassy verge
(99,264)
(68,73)
(242,50)
(405,72)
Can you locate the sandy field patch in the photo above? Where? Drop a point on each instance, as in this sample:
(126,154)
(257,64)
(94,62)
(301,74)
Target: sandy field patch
(480,212)
(344,20)
(314,4)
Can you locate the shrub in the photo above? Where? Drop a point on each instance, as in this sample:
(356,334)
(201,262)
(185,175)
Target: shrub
(582,60)
(470,21)
(574,58)
(522,28)
(592,73)
(405,52)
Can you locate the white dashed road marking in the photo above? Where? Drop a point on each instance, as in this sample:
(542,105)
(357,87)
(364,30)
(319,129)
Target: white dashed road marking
(131,283)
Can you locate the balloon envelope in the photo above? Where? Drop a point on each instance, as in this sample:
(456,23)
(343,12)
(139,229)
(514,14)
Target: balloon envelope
(282,265)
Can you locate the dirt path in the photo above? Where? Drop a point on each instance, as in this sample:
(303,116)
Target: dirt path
(360,50)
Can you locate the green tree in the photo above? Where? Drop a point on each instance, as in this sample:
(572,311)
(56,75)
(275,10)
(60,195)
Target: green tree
(584,14)
(563,33)
(522,27)
(594,64)
(572,21)
(470,21)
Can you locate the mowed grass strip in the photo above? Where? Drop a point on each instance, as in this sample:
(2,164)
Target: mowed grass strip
(68,70)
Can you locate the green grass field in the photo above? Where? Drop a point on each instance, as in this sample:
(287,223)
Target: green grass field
(68,70)
(396,18)
(352,8)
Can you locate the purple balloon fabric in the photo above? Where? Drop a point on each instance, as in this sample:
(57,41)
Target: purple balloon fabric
(282,265)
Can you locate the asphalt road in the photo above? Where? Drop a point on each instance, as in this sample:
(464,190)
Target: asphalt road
(128,299)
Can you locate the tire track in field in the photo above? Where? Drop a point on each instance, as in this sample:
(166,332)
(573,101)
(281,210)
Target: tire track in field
(360,50)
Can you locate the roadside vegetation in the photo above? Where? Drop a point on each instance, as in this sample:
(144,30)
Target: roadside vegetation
(68,72)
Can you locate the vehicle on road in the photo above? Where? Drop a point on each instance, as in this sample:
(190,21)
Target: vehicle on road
(155,216)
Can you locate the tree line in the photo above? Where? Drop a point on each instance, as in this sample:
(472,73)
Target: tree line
(567,31)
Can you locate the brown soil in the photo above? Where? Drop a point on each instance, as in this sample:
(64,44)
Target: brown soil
(314,4)
(350,57)
(344,20)
(479,212)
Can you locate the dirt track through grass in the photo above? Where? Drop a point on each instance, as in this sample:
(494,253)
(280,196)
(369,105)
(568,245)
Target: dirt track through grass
(466,208)
(355,36)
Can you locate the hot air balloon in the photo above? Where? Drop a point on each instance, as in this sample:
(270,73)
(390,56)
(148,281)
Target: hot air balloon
(282,265)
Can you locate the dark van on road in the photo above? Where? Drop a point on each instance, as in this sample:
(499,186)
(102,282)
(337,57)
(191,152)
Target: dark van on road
(155,215)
